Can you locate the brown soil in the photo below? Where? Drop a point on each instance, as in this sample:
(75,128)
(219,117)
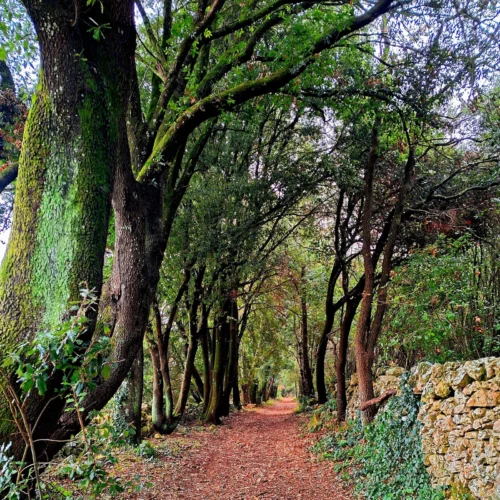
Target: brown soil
(257,454)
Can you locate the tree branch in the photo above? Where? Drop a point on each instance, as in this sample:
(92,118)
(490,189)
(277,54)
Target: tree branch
(8,174)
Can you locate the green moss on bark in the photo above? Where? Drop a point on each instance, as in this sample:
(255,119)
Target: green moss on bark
(61,218)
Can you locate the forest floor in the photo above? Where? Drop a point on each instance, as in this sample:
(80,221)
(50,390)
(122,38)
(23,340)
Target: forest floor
(259,453)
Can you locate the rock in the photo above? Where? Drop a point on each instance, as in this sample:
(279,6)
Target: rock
(445,425)
(475,369)
(460,416)
(428,392)
(484,398)
(420,375)
(395,371)
(442,389)
(492,366)
(461,379)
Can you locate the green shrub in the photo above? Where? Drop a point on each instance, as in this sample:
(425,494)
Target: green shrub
(384,458)
(147,450)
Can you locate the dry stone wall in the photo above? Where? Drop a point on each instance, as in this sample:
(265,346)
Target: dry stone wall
(460,414)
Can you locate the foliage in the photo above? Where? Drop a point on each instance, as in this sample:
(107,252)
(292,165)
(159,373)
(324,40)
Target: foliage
(9,469)
(79,364)
(444,302)
(18,46)
(384,458)
(91,454)
(147,450)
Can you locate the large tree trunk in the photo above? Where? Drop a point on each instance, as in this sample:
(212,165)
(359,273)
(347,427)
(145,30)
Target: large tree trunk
(74,142)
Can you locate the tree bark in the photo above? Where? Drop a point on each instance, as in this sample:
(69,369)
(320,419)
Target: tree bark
(75,141)
(345,329)
(158,404)
(192,347)
(213,413)
(307,387)
(363,358)
(207,372)
(232,361)
(368,330)
(323,342)
(133,403)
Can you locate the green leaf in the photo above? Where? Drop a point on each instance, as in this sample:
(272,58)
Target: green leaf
(41,385)
(106,372)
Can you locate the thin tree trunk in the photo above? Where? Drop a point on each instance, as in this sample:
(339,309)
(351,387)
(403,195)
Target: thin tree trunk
(162,342)
(323,342)
(350,313)
(158,404)
(232,361)
(186,379)
(213,413)
(207,372)
(363,363)
(368,331)
(192,347)
(200,386)
(305,368)
(135,386)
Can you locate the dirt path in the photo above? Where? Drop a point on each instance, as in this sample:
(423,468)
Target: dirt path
(257,454)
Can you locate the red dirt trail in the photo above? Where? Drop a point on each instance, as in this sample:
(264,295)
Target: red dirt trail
(257,454)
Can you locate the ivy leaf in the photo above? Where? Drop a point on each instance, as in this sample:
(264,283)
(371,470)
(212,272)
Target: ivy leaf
(41,385)
(106,372)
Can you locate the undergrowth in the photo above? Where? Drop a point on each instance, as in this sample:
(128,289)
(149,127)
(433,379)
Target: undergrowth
(384,459)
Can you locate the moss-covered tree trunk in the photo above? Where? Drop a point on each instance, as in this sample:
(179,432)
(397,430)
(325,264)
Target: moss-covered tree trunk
(133,403)
(306,379)
(340,363)
(330,310)
(232,359)
(221,337)
(74,142)
(158,402)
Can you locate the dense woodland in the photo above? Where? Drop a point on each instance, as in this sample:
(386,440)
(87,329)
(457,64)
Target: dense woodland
(211,204)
